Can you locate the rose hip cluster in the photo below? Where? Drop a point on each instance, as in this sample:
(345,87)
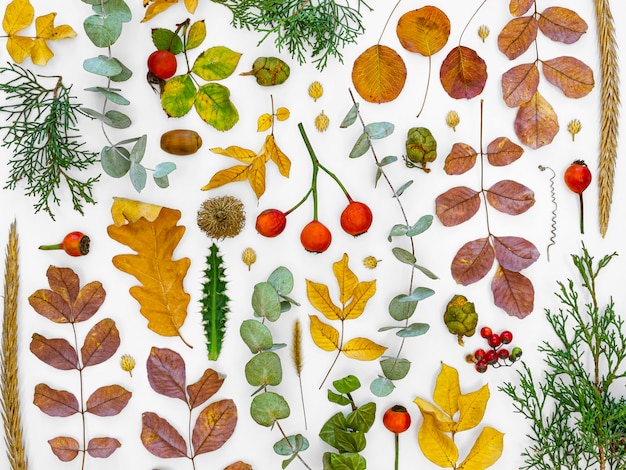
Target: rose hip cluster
(498,355)
(315,237)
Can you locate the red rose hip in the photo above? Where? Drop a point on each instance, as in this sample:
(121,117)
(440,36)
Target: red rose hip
(315,237)
(271,222)
(162,64)
(356,218)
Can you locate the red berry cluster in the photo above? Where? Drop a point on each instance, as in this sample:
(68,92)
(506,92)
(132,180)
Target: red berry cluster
(498,355)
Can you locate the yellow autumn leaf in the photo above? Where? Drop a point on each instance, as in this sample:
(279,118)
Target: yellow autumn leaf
(128,210)
(63,31)
(436,446)
(40,53)
(324,336)
(360,296)
(447,390)
(191,6)
(19,48)
(443,421)
(45,29)
(319,297)
(264,122)
(228,175)
(472,408)
(277,156)
(282,114)
(485,451)
(363,349)
(346,279)
(156,7)
(18,15)
(238,153)
(256,177)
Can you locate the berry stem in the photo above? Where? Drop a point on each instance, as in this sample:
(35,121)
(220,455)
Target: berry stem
(397,443)
(56,246)
(582,219)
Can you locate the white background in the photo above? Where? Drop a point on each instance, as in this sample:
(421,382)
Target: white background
(435,248)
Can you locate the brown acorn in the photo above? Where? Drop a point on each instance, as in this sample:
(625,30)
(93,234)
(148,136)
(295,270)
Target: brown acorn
(181,142)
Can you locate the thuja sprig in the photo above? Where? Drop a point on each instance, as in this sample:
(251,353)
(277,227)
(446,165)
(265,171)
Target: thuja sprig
(574,413)
(42,134)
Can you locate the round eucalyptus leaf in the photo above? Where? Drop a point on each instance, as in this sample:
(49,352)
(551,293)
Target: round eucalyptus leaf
(164,169)
(268,407)
(282,280)
(414,329)
(102,30)
(291,444)
(265,301)
(110,94)
(264,369)
(256,335)
(395,368)
(103,65)
(138,176)
(400,310)
(115,161)
(381,387)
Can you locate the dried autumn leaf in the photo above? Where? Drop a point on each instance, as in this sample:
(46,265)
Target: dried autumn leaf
(50,305)
(65,448)
(363,349)
(55,402)
(88,301)
(517,36)
(447,390)
(207,386)
(536,123)
(510,197)
(160,438)
(572,76)
(228,175)
(472,408)
(437,447)
(324,336)
(562,24)
(346,279)
(191,5)
(519,84)
(277,156)
(463,73)
(214,426)
(101,343)
(65,282)
(156,7)
(19,48)
(239,466)
(362,293)
(425,30)
(238,153)
(109,400)
(319,296)
(56,352)
(520,7)
(282,114)
(486,450)
(457,205)
(379,74)
(166,373)
(462,158)
(102,447)
(256,177)
(126,210)
(19,14)
(501,151)
(264,122)
(442,420)
(513,292)
(473,261)
(515,253)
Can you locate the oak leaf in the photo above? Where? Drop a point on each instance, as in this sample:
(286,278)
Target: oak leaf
(513,292)
(562,24)
(463,73)
(517,36)
(519,84)
(425,30)
(379,74)
(510,197)
(473,261)
(536,123)
(65,448)
(572,76)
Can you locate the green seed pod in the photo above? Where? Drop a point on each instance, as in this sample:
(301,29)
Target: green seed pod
(460,317)
(269,71)
(421,148)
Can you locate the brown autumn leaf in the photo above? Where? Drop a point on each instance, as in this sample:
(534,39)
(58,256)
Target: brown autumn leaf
(463,73)
(239,466)
(515,253)
(379,74)
(562,24)
(65,282)
(102,447)
(214,426)
(425,30)
(501,151)
(513,292)
(56,352)
(473,261)
(51,305)
(572,76)
(160,438)
(510,197)
(517,36)
(519,84)
(101,343)
(89,299)
(205,388)
(457,205)
(109,400)
(461,159)
(520,7)
(536,123)
(55,402)
(166,373)
(65,448)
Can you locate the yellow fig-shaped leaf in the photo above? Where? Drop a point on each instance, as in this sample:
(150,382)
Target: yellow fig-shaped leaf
(324,336)
(228,175)
(128,210)
(447,390)
(18,15)
(319,297)
(264,122)
(256,177)
(238,153)
(472,408)
(363,349)
(44,26)
(282,114)
(63,31)
(277,156)
(40,53)
(361,294)
(444,422)
(485,451)
(436,446)
(191,6)
(19,48)
(346,279)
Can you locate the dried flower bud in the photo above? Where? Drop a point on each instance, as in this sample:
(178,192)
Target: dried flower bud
(370,262)
(248,257)
(574,127)
(453,119)
(316,90)
(321,122)
(127,363)
(483,32)
(221,217)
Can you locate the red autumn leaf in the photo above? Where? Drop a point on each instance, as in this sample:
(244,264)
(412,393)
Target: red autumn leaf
(572,76)
(461,158)
(515,253)
(214,426)
(55,402)
(108,401)
(425,30)
(536,123)
(519,7)
(517,36)
(501,151)
(457,205)
(56,352)
(519,84)
(166,373)
(88,301)
(510,197)
(513,292)
(50,305)
(562,24)
(239,466)
(205,388)
(65,448)
(65,282)
(379,74)
(102,447)
(473,261)
(100,343)
(463,73)
(160,437)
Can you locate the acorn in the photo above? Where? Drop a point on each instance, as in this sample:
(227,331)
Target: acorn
(181,142)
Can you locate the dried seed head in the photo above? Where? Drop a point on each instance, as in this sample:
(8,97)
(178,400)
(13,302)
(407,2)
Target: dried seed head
(453,119)
(370,262)
(248,257)
(321,122)
(127,363)
(316,90)
(483,32)
(221,217)
(574,127)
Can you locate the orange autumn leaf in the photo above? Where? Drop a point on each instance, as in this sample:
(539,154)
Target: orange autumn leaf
(379,74)
(519,84)
(473,261)
(562,24)
(517,36)
(572,76)
(536,122)
(425,30)
(513,292)
(463,73)
(519,7)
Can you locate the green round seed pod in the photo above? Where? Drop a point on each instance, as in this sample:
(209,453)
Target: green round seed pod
(421,148)
(460,317)
(269,71)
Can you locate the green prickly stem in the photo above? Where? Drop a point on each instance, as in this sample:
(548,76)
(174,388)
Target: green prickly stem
(214,303)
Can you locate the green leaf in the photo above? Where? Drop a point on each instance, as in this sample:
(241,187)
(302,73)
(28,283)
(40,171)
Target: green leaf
(103,65)
(213,105)
(402,188)
(338,398)
(264,369)
(163,169)
(117,119)
(214,299)
(110,94)
(397,230)
(361,146)
(282,280)
(216,63)
(256,335)
(362,418)
(387,160)
(400,310)
(379,130)
(115,8)
(139,149)
(196,34)
(265,301)
(347,384)
(349,441)
(414,329)
(103,31)
(124,75)
(419,293)
(179,94)
(138,176)
(347,461)
(403,255)
(291,444)
(161,181)
(268,407)
(395,368)
(381,387)
(350,117)
(426,271)
(420,226)
(164,39)
(115,161)
(327,433)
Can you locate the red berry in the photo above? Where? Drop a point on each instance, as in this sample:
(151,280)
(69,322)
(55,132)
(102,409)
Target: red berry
(162,64)
(479,354)
(577,176)
(506,337)
(271,222)
(491,357)
(74,244)
(485,332)
(315,237)
(494,340)
(397,419)
(503,353)
(481,366)
(356,218)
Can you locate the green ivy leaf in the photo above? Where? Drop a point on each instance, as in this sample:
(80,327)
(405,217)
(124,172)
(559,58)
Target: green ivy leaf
(381,387)
(103,31)
(196,34)
(395,368)
(347,384)
(265,301)
(216,63)
(103,65)
(338,398)
(256,335)
(268,407)
(110,94)
(327,433)
(215,108)
(349,441)
(362,418)
(138,176)
(414,329)
(115,161)
(420,226)
(379,130)
(347,461)
(350,117)
(361,146)
(179,94)
(163,169)
(400,310)
(264,369)
(164,39)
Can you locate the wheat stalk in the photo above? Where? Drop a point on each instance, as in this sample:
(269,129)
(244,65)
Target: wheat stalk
(9,396)
(609,113)
(296,355)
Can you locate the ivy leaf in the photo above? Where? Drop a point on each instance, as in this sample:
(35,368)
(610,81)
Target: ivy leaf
(348,384)
(510,197)
(457,205)
(486,450)
(572,76)
(473,261)
(212,102)
(160,438)
(324,336)
(536,123)
(214,426)
(519,84)
(425,30)
(362,418)
(562,24)
(513,292)
(501,151)
(363,349)
(517,36)
(379,74)
(463,73)
(216,63)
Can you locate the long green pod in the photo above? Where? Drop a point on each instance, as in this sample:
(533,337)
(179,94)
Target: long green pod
(214,303)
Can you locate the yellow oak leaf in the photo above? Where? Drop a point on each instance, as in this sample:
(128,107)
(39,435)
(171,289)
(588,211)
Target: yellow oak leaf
(228,175)
(18,15)
(436,446)
(447,390)
(485,451)
(363,349)
(360,296)
(191,5)
(282,114)
(472,408)
(155,7)
(346,279)
(319,296)
(444,421)
(324,336)
(264,122)
(238,153)
(129,210)
(19,48)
